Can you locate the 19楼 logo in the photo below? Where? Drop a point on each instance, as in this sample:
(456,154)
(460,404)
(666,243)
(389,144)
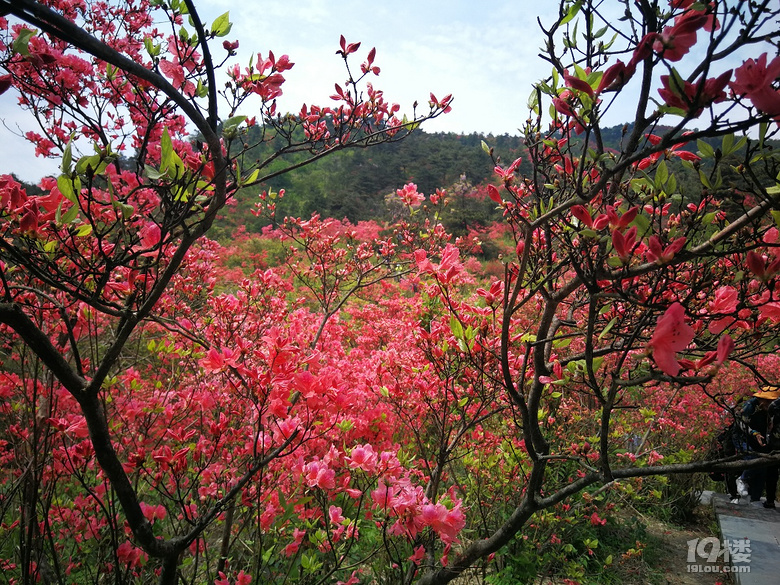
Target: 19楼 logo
(704,555)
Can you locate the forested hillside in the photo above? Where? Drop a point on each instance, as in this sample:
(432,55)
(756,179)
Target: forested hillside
(355,184)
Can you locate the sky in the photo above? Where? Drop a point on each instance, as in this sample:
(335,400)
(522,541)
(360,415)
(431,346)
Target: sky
(485,54)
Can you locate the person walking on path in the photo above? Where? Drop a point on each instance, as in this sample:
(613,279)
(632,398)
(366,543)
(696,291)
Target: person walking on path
(760,422)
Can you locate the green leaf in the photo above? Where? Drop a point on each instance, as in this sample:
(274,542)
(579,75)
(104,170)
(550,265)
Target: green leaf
(170,162)
(671,184)
(65,185)
(221,25)
(705,150)
(533,101)
(88,163)
(661,175)
(718,179)
(610,43)
(154,174)
(676,83)
(69,215)
(84,230)
(253,176)
(709,218)
(642,222)
(166,151)
(231,124)
(67,158)
(201,90)
(607,329)
(573,10)
(726,144)
(456,328)
(673,111)
(22,41)
(151,48)
(485,147)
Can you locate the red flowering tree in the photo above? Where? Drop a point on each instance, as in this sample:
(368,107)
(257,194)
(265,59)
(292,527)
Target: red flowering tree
(127,94)
(629,291)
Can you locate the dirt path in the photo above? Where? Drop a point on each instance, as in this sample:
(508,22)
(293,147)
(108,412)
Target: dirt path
(674,550)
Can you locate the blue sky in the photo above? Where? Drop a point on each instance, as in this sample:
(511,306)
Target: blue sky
(483,53)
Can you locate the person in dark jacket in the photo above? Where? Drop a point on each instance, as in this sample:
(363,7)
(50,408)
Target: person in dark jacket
(760,421)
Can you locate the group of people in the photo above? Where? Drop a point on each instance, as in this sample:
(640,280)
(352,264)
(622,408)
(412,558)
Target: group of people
(756,431)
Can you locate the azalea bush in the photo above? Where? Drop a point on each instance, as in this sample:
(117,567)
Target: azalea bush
(136,417)
(331,402)
(626,298)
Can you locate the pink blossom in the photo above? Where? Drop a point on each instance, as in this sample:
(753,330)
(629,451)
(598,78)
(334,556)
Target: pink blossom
(615,77)
(578,84)
(418,556)
(150,235)
(335,515)
(595,520)
(5,83)
(129,554)
(410,196)
(753,79)
(694,97)
(362,457)
(494,194)
(563,107)
(675,41)
(624,243)
(317,474)
(770,311)
(494,295)
(353,580)
(293,547)
(725,347)
(762,267)
(725,301)
(582,214)
(174,71)
(671,335)
(445,271)
(446,523)
(445,103)
(654,457)
(657,253)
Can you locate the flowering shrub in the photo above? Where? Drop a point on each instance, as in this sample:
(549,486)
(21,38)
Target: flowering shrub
(371,409)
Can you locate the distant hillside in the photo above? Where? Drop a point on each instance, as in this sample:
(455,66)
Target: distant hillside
(353,184)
